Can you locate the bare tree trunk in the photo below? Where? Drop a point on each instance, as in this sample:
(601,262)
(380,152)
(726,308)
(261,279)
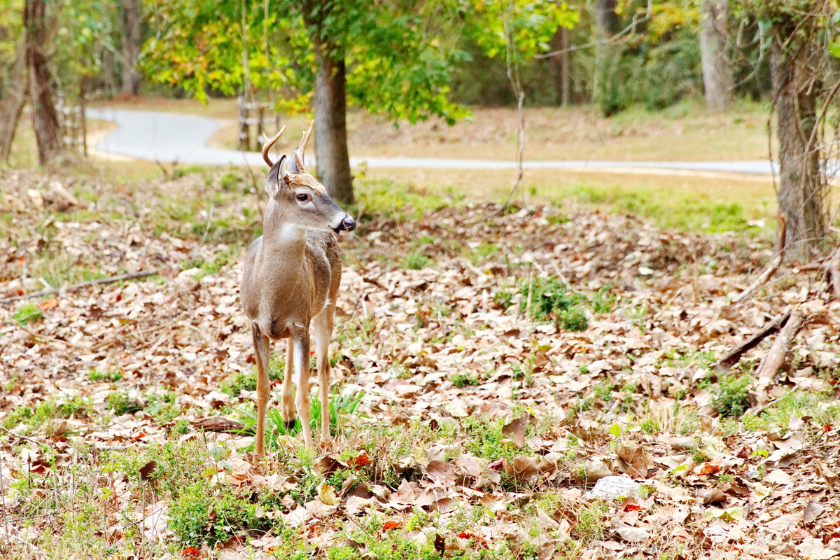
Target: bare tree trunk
(131,47)
(562,70)
(606,17)
(801,188)
(44,115)
(12,99)
(717,73)
(331,126)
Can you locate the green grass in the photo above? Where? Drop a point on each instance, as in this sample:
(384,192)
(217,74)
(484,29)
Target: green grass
(46,411)
(416,261)
(668,207)
(104,376)
(461,380)
(28,313)
(399,200)
(550,300)
(730,395)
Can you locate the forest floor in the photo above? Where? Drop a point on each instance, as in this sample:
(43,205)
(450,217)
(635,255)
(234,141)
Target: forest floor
(487,371)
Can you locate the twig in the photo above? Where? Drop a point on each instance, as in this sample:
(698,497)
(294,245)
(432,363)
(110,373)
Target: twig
(530,293)
(30,440)
(560,275)
(80,285)
(771,267)
(732,358)
(53,339)
(632,27)
(666,306)
(519,92)
(775,358)
(207,228)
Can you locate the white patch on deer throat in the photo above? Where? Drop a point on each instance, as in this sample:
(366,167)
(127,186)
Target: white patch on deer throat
(337,219)
(291,232)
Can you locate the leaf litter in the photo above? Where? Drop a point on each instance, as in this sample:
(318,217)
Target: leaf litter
(482,427)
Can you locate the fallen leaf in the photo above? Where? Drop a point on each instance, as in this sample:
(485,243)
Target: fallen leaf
(635,459)
(392,524)
(516,429)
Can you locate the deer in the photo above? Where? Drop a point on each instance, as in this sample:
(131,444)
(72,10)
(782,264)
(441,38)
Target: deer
(290,280)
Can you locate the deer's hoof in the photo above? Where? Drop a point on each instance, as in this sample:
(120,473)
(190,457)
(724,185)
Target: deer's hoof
(290,424)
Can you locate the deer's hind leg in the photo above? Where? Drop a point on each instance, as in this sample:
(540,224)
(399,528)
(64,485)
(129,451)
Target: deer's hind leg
(323,324)
(262,349)
(288,400)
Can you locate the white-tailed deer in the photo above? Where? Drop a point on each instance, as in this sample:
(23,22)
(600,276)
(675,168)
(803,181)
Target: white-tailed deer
(291,278)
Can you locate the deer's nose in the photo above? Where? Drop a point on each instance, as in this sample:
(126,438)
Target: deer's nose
(348,223)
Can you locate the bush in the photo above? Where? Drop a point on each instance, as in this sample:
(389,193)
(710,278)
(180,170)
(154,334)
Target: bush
(552,301)
(729,397)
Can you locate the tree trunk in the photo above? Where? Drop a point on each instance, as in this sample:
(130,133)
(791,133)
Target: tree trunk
(717,74)
(331,153)
(801,190)
(562,71)
(44,115)
(12,99)
(606,18)
(131,47)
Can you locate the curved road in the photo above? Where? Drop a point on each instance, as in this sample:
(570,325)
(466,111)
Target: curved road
(174,137)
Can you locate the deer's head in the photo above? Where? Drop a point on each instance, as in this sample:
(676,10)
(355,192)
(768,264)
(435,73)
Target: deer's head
(303,200)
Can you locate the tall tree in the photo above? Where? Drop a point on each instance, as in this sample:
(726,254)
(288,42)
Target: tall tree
(12,76)
(383,56)
(562,66)
(391,57)
(44,114)
(717,72)
(607,21)
(131,42)
(801,34)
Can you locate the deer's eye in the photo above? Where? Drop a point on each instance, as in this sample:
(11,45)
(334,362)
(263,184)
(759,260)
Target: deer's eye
(303,197)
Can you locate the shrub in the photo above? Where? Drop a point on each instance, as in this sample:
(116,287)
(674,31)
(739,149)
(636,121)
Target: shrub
(729,396)
(552,301)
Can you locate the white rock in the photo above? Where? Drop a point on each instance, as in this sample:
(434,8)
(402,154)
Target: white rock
(611,487)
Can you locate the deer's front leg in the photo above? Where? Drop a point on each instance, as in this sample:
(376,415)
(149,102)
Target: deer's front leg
(262,349)
(323,328)
(301,337)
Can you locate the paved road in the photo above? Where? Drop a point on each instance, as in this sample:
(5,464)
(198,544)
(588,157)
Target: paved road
(173,137)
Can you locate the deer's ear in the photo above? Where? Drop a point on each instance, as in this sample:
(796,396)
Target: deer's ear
(275,176)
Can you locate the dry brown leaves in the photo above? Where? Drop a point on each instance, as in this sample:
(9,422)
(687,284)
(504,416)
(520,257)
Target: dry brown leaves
(765,493)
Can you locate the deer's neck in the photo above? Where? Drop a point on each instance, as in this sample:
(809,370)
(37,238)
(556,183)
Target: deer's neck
(284,246)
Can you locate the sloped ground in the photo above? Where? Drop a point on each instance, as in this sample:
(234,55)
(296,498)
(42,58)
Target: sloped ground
(488,370)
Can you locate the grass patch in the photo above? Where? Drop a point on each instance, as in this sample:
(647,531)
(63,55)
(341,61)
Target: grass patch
(399,200)
(730,396)
(667,207)
(44,412)
(28,313)
(550,299)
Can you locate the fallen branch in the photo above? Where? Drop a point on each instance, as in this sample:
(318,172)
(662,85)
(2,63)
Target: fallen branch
(725,363)
(775,358)
(53,339)
(80,285)
(771,267)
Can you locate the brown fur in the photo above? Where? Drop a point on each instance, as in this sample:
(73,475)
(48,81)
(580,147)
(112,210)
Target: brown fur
(291,280)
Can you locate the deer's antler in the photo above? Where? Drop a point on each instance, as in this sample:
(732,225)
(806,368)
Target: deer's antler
(267,146)
(302,147)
